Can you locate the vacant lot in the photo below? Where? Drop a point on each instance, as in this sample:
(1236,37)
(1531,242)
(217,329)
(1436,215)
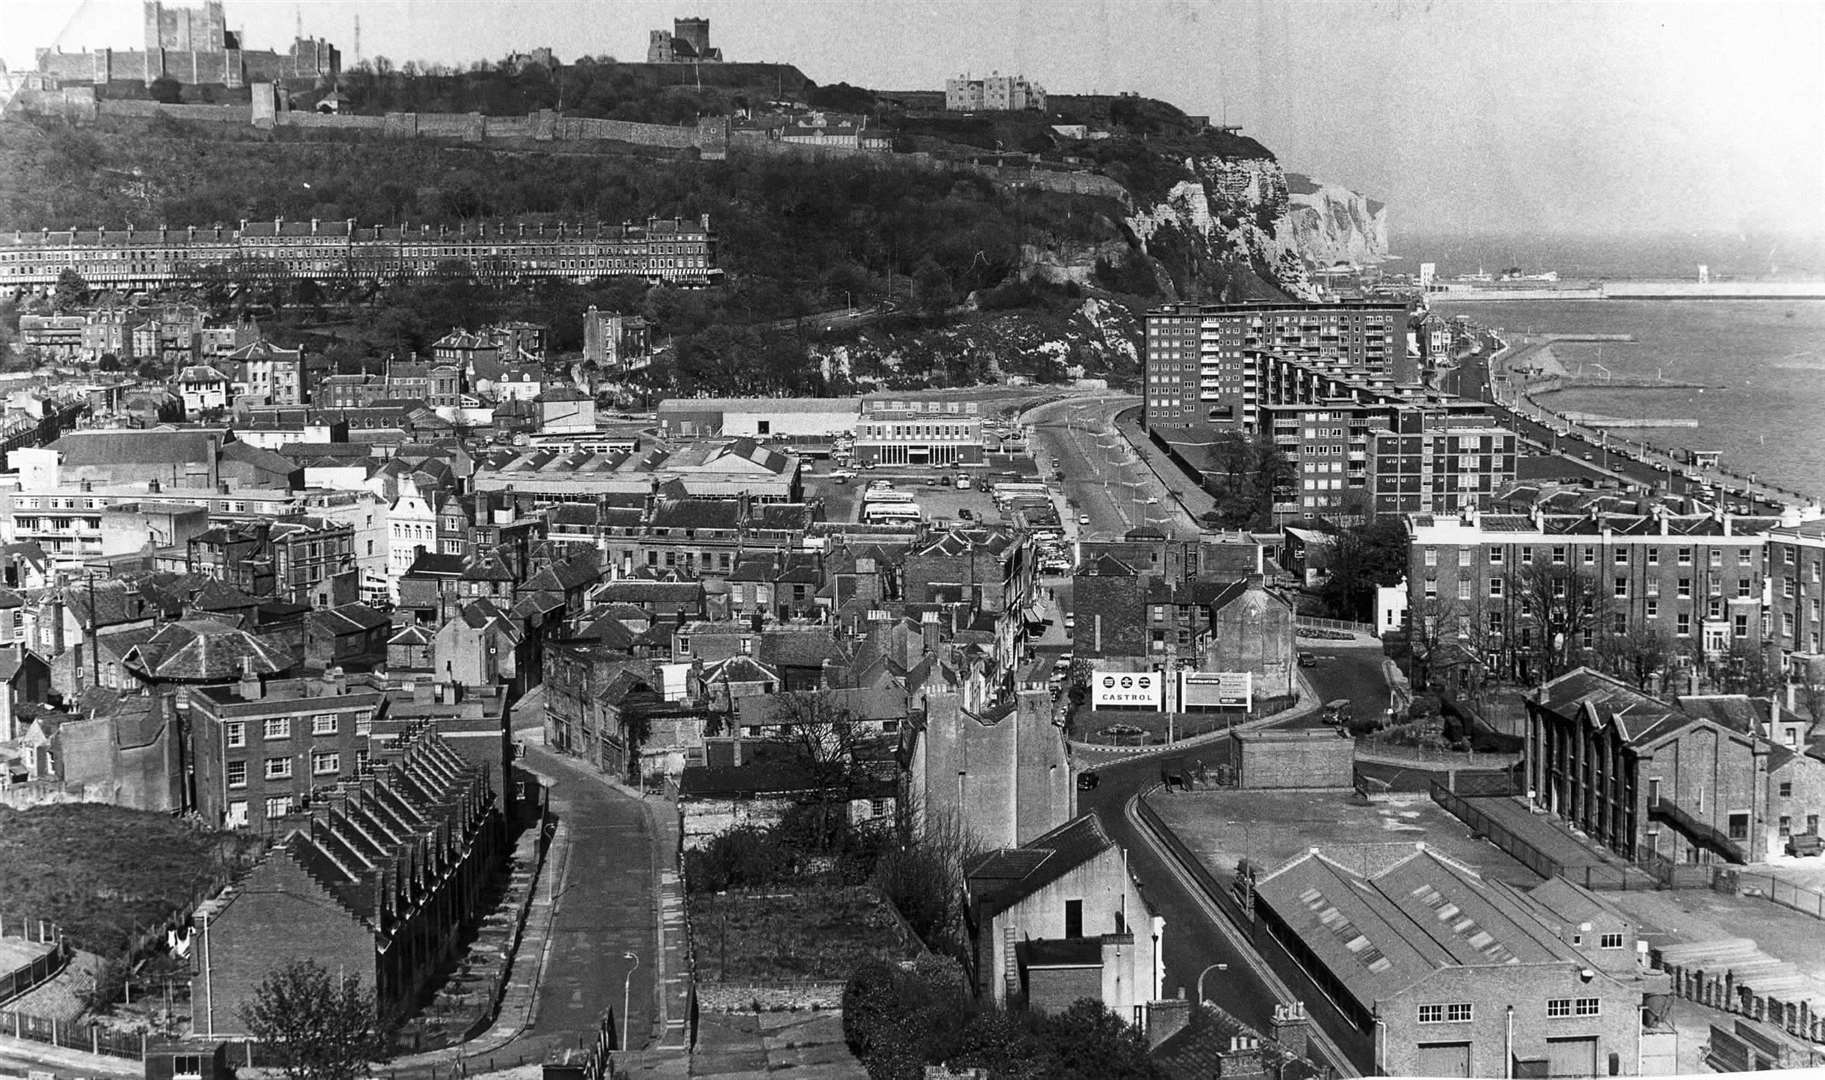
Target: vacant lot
(1271,827)
(105,873)
(785,937)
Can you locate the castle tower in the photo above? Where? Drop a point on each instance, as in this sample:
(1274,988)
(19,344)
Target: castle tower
(695,33)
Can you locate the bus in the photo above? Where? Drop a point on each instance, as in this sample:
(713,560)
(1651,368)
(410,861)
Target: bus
(892,513)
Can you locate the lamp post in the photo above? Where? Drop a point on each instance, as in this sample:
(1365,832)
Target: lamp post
(627,988)
(1207,971)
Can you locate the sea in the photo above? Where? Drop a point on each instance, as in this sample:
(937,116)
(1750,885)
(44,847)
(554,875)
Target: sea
(1761,363)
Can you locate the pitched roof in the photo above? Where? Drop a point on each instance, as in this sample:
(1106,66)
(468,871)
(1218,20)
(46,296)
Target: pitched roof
(1638,717)
(348,619)
(199,650)
(998,880)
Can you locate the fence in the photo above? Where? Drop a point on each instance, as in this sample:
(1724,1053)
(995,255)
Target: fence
(91,1038)
(1785,893)
(42,967)
(1621,878)
(1309,622)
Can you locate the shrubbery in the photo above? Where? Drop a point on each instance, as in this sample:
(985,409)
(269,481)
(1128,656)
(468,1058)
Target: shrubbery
(897,1021)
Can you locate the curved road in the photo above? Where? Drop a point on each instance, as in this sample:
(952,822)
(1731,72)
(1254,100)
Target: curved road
(1105,478)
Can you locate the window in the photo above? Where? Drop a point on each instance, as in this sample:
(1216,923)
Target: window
(1558,554)
(1653,556)
(1074,918)
(1463,556)
(1717,557)
(1739,826)
(1786,825)
(237,774)
(1812,824)
(1495,556)
(278,806)
(277,727)
(1685,556)
(1684,588)
(1742,557)
(1527,556)
(278,768)
(1463,589)
(1786,789)
(1651,609)
(1456,1012)
(1653,791)
(1431,556)
(323,724)
(1622,588)
(1560,1007)
(1495,587)
(1610,941)
(1622,556)
(1683,624)
(234,734)
(326,762)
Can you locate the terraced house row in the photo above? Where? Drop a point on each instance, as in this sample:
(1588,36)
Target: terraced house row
(660,249)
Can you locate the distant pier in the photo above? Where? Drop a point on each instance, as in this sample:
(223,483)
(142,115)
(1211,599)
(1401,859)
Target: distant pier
(1595,420)
(1637,290)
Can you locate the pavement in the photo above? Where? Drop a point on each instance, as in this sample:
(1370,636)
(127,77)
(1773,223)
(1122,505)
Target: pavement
(1108,477)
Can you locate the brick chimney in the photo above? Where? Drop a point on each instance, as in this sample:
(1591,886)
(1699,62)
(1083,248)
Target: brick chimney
(1291,1028)
(1167,1018)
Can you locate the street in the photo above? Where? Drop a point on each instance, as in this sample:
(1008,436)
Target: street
(1353,672)
(1105,479)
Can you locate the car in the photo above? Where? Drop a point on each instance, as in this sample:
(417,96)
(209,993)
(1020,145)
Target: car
(1307,659)
(1087,780)
(1083,519)
(964,513)
(933,481)
(1070,621)
(1805,844)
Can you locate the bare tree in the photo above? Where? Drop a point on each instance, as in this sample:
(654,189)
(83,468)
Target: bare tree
(1560,605)
(1637,654)
(1432,629)
(843,755)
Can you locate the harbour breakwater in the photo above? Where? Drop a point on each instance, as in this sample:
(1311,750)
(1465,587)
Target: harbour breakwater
(1640,290)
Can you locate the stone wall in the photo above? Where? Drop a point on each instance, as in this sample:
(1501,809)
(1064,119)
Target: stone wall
(742,997)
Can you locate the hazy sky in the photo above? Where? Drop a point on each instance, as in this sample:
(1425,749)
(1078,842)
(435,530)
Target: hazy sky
(1465,115)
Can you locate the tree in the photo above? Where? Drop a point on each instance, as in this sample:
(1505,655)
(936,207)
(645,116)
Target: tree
(1637,654)
(166,90)
(71,291)
(1364,559)
(108,362)
(1243,476)
(1431,632)
(320,1027)
(1560,606)
(838,753)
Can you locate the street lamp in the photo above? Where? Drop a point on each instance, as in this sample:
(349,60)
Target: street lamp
(627,987)
(1207,971)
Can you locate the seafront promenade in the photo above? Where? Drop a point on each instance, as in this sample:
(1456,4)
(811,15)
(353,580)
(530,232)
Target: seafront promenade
(1638,290)
(1519,369)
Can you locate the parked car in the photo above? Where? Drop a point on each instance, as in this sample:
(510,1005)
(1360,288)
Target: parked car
(1307,659)
(963,512)
(1338,712)
(1805,844)
(1083,519)
(1087,780)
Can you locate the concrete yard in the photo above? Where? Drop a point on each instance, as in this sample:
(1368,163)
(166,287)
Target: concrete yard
(1669,917)
(1270,827)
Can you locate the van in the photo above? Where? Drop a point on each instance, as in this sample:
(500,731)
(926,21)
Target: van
(1338,713)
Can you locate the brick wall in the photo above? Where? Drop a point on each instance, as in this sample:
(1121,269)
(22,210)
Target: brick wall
(1293,759)
(280,915)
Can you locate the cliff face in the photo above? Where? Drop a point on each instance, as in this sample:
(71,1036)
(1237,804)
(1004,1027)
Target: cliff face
(1238,229)
(1329,223)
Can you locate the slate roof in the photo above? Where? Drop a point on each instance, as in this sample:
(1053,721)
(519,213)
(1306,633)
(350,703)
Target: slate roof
(1638,717)
(217,595)
(697,514)
(808,647)
(771,460)
(204,650)
(967,541)
(80,448)
(347,619)
(739,669)
(999,879)
(1378,935)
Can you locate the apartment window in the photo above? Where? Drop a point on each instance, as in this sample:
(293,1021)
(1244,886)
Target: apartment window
(1527,556)
(1495,587)
(1622,588)
(326,762)
(1786,789)
(1431,556)
(1717,558)
(277,727)
(278,768)
(1495,556)
(1455,1012)
(1610,941)
(1558,554)
(237,774)
(1685,556)
(1742,556)
(234,734)
(323,724)
(1742,587)
(237,814)
(1682,624)
(278,806)
(1653,556)
(1685,588)
(1463,589)
(1622,556)
(1589,556)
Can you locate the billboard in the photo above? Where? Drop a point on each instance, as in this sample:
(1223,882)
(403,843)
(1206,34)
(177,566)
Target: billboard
(1216,689)
(1125,689)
